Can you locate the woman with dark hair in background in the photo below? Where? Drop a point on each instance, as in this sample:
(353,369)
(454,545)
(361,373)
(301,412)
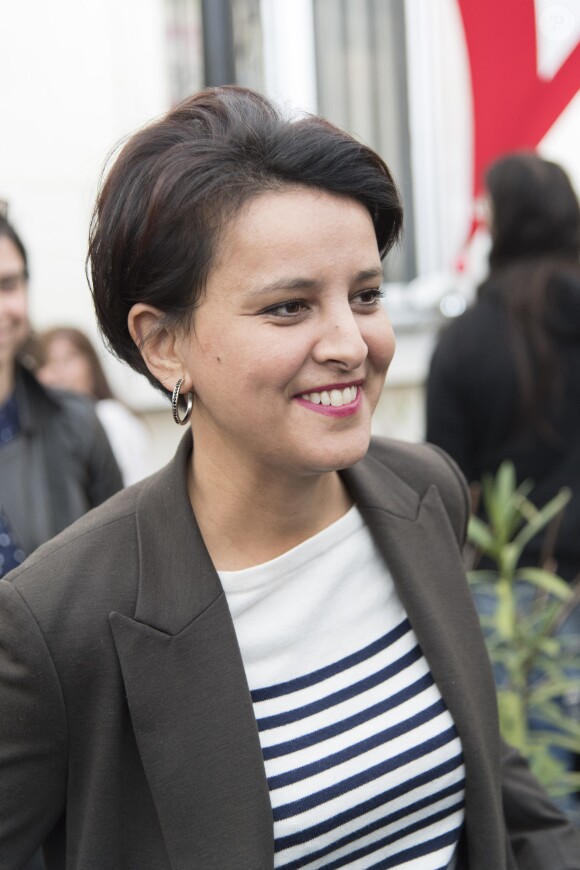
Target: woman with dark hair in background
(504,380)
(266,654)
(69,361)
(55,461)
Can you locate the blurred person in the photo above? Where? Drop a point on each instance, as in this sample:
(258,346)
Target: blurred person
(504,379)
(55,460)
(70,361)
(266,654)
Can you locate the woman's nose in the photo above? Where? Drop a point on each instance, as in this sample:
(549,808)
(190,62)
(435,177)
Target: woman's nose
(341,341)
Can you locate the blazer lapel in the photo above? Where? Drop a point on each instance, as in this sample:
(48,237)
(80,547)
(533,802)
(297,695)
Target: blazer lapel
(187,693)
(420,548)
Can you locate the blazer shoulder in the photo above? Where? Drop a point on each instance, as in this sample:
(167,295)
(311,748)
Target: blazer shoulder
(97,544)
(423,465)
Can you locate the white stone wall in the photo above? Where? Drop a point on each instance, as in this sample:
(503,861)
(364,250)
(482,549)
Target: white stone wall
(77,75)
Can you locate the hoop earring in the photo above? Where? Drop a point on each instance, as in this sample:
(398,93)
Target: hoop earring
(181,421)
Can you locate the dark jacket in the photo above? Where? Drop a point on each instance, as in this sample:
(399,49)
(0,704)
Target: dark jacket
(473,402)
(60,466)
(127,734)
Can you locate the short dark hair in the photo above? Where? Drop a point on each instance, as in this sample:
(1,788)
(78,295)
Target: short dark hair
(177,182)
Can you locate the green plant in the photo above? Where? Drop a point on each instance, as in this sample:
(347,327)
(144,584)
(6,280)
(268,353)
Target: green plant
(535,665)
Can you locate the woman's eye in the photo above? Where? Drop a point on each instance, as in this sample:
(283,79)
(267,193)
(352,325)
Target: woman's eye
(293,308)
(370,298)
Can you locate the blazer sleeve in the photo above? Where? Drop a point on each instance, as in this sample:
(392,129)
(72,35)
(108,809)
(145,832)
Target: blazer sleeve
(33,734)
(541,836)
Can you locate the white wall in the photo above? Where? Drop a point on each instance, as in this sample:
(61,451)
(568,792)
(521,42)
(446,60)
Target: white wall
(289,60)
(77,75)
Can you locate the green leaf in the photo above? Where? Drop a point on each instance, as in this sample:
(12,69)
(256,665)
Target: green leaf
(483,579)
(502,502)
(488,495)
(523,490)
(556,739)
(553,689)
(527,509)
(480,535)
(543,620)
(555,716)
(542,518)
(550,646)
(545,580)
(507,560)
(513,719)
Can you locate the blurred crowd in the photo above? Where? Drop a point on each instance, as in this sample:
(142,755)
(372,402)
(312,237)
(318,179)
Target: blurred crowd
(66,443)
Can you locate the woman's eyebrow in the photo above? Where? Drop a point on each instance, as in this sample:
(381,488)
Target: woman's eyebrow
(300,283)
(366,274)
(295,283)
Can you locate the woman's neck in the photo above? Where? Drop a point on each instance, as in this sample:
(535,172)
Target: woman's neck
(251,519)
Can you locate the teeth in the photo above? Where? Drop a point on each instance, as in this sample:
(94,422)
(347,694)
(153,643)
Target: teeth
(336,398)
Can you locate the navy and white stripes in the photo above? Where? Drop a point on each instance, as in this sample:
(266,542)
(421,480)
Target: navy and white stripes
(361,755)
(369,772)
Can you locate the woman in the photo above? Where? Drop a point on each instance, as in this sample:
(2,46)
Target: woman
(55,461)
(521,402)
(259,665)
(504,381)
(69,361)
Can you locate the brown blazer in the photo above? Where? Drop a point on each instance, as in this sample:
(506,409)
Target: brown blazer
(127,734)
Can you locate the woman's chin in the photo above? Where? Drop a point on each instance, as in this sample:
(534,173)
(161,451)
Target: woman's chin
(334,457)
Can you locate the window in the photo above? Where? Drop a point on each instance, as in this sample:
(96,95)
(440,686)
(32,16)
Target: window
(184,47)
(362,87)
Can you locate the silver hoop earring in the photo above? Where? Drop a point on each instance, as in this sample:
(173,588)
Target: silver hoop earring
(181,421)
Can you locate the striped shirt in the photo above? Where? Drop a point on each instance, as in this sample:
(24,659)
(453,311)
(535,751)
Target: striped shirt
(362,758)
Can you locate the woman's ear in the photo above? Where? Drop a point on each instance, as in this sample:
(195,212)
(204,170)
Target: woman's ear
(159,346)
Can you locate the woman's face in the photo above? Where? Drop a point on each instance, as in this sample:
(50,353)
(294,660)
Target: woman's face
(290,345)
(66,367)
(14,324)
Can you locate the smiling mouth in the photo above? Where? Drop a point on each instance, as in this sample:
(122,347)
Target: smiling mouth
(331,398)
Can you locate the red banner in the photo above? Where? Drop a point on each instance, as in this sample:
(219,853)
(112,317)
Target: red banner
(513,107)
